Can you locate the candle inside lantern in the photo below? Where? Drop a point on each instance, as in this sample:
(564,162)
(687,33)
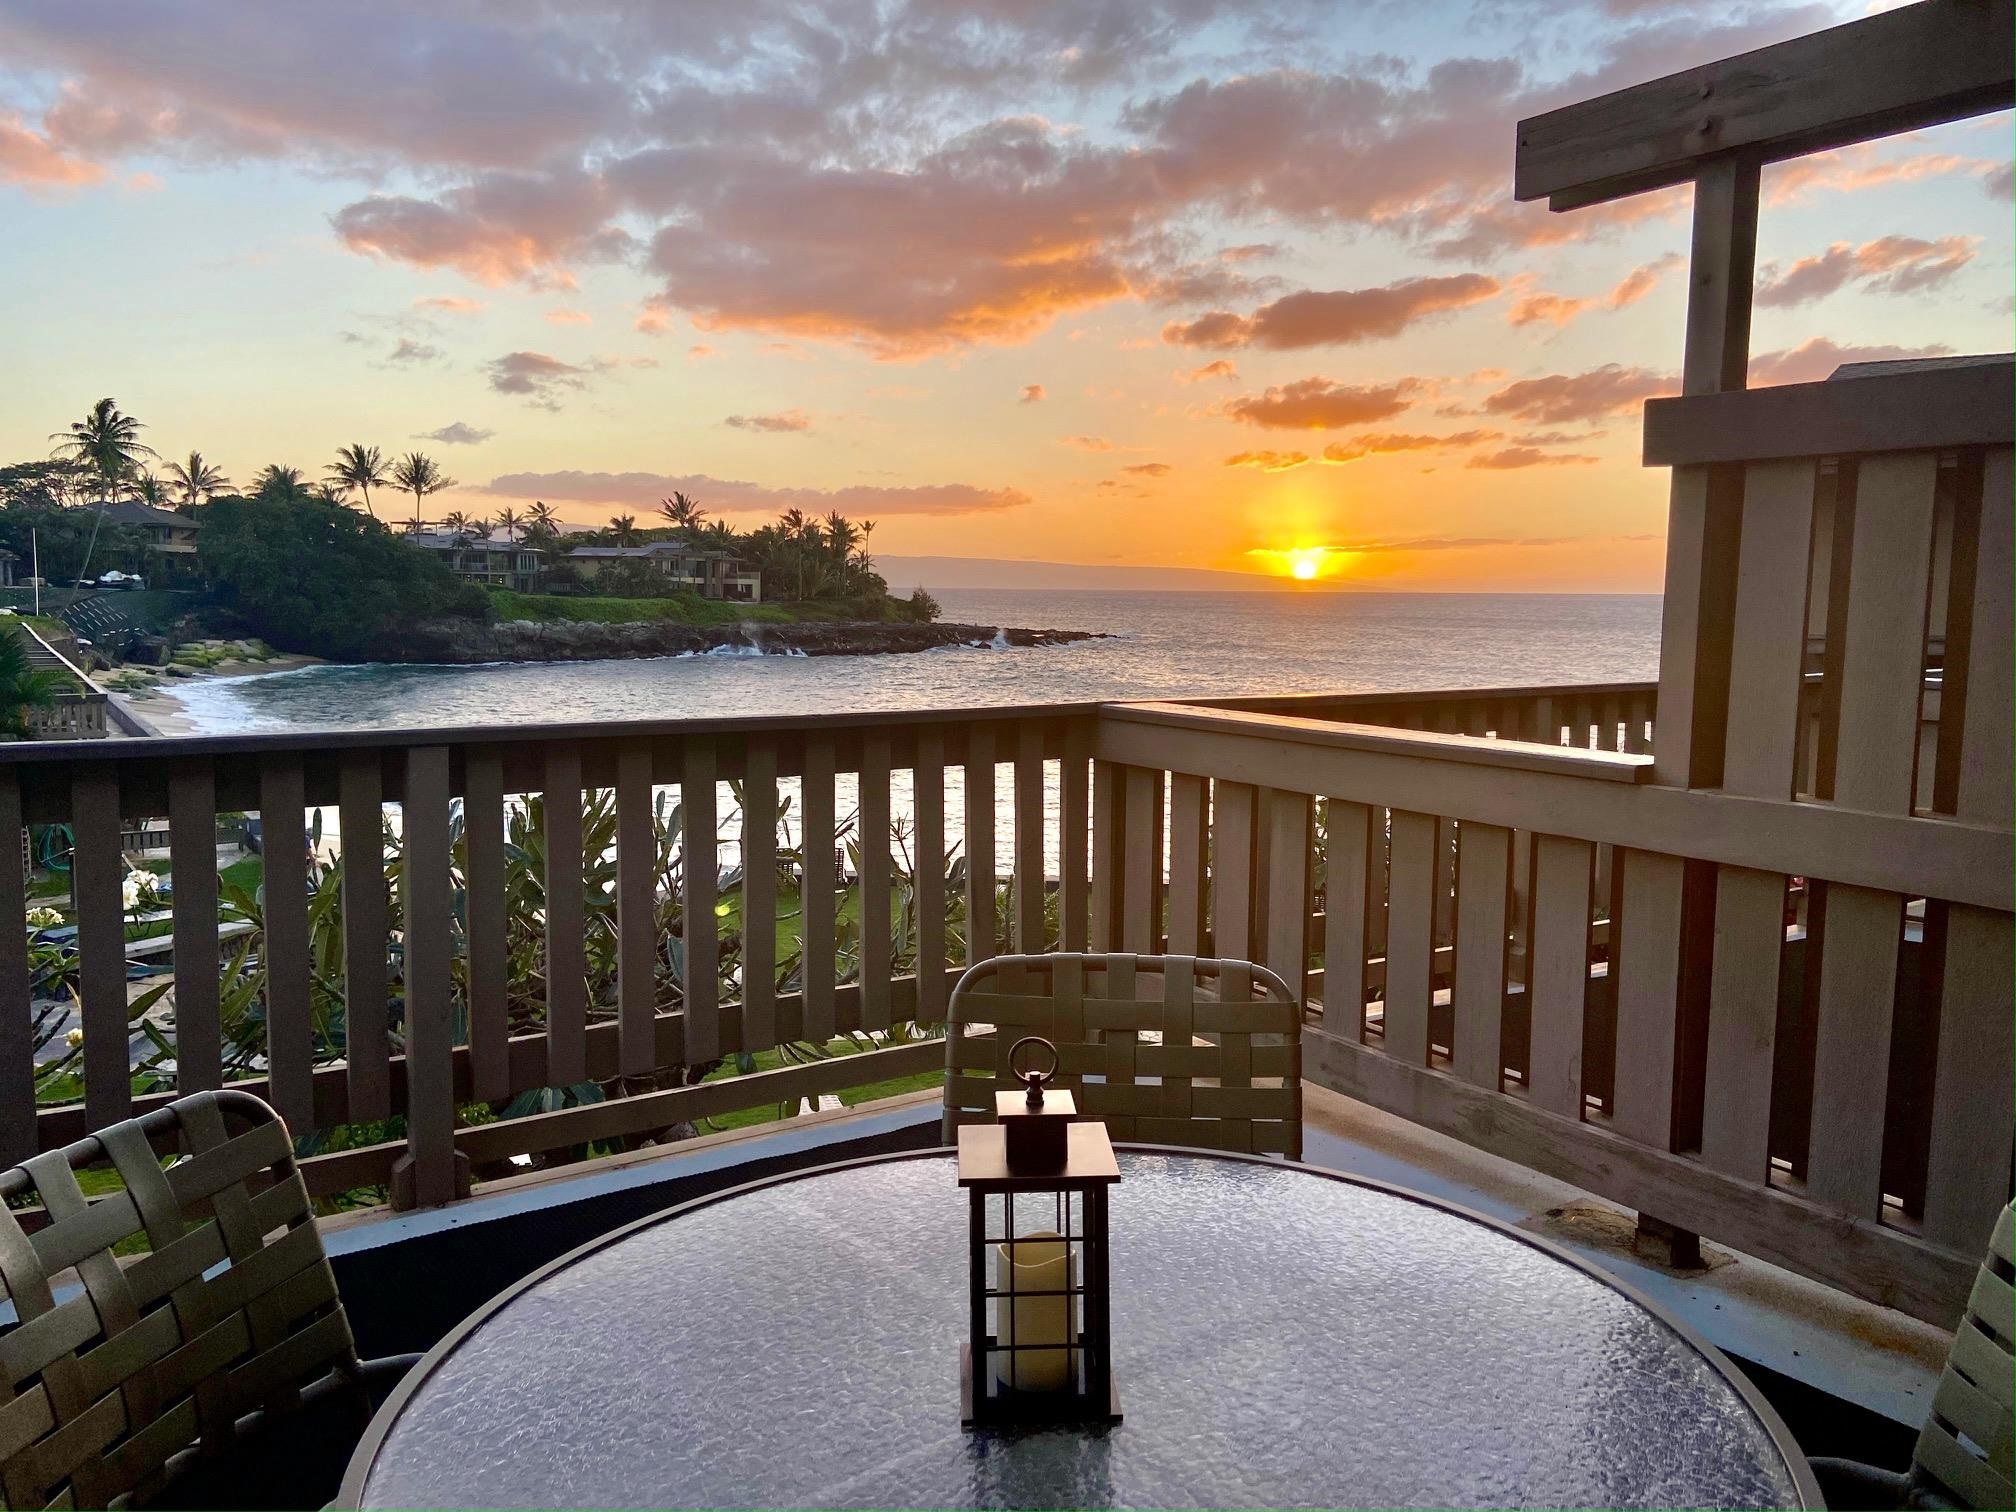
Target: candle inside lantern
(1038,1262)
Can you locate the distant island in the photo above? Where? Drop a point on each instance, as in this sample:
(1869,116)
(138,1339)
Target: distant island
(309,567)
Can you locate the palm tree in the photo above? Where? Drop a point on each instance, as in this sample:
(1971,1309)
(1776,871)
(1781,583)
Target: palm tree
(361,467)
(624,528)
(148,489)
(197,479)
(23,687)
(276,483)
(456,521)
(419,474)
(107,443)
(685,513)
(541,514)
(508,522)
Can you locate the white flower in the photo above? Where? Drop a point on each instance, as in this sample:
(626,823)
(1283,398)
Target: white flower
(74,1038)
(140,887)
(44,918)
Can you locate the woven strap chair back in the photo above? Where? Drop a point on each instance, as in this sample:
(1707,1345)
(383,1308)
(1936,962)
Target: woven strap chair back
(1162,1049)
(1965,1443)
(157,1315)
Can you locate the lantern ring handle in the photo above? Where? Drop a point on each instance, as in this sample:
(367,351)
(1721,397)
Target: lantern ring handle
(1032,1078)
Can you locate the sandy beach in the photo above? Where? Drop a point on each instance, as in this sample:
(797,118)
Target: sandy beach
(153,702)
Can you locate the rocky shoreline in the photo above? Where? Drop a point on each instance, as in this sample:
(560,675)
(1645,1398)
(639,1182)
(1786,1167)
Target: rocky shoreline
(528,641)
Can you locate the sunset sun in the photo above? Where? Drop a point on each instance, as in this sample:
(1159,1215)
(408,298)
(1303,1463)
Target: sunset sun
(1303,563)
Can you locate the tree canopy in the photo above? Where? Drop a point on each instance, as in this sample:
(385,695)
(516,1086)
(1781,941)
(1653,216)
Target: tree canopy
(314,576)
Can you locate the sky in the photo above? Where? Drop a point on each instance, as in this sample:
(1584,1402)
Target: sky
(1172,283)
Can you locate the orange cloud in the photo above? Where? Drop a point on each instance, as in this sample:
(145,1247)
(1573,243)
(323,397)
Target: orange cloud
(1847,169)
(1090,443)
(700,351)
(1341,317)
(27,157)
(1219,369)
(1032,393)
(1640,281)
(569,318)
(1889,264)
(1549,309)
(1320,404)
(1378,443)
(1525,456)
(1150,469)
(1268,461)
(1563,398)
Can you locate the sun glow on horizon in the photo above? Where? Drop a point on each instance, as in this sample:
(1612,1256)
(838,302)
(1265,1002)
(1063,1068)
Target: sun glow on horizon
(1304,564)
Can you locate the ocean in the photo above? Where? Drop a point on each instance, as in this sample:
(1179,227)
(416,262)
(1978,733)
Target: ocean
(1164,645)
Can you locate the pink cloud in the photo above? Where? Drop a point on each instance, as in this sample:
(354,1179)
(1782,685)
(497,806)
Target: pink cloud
(1545,309)
(787,422)
(1320,404)
(643,489)
(501,228)
(1562,398)
(1889,265)
(700,351)
(569,317)
(1849,169)
(1339,317)
(1219,369)
(1814,360)
(449,304)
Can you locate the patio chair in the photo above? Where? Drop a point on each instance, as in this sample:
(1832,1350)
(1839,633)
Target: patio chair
(1163,1049)
(1962,1458)
(177,1341)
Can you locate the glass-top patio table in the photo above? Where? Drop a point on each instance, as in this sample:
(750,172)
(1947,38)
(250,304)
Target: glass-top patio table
(1282,1336)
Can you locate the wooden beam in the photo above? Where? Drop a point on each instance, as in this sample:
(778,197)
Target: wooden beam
(1901,71)
(1903,411)
(1884,1265)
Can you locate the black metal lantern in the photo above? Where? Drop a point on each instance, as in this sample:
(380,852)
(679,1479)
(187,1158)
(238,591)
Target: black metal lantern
(1041,1313)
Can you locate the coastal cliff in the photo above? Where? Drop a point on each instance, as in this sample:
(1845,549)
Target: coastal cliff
(526,641)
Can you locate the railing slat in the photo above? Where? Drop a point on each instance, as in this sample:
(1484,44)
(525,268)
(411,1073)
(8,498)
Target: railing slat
(17,1012)
(424,906)
(566,954)
(1558,991)
(1483,893)
(1030,882)
(1140,914)
(487,925)
(1882,657)
(1769,636)
(759,896)
(1105,855)
(290,1044)
(636,911)
(1982,787)
(1858,932)
(1346,900)
(366,931)
(1645,956)
(875,916)
(980,920)
(1189,825)
(1742,1021)
(816,885)
(1075,814)
(1967,1179)
(1410,946)
(1288,868)
(928,788)
(700,869)
(192,863)
(1233,879)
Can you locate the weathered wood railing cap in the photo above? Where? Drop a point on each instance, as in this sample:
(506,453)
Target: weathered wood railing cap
(1925,406)
(1941,60)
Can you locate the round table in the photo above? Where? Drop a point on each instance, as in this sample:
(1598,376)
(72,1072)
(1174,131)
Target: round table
(1282,1336)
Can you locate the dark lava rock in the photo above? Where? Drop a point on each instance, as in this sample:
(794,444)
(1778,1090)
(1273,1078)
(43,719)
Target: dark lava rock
(522,640)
